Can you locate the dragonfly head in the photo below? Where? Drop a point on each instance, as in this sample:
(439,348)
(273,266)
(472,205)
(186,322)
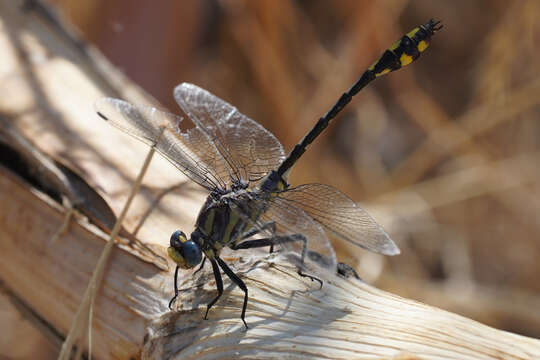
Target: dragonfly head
(185,253)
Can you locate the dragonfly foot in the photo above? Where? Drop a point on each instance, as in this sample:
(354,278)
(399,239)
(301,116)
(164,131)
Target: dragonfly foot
(312,278)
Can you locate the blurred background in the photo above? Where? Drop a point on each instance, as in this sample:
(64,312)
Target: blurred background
(444,153)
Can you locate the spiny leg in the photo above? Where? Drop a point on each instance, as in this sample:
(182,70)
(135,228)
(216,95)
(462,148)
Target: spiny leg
(200,267)
(271,225)
(250,244)
(240,284)
(219,285)
(175,287)
(176,291)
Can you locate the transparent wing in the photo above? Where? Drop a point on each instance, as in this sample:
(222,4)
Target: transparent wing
(249,149)
(191,151)
(340,216)
(294,220)
(288,220)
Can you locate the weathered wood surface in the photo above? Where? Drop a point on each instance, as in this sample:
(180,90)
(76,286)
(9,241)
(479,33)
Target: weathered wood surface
(288,316)
(48,87)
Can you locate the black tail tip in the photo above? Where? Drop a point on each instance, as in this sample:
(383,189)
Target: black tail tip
(433,25)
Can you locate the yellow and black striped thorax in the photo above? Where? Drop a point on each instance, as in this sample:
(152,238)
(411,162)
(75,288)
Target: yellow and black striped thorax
(405,50)
(218,225)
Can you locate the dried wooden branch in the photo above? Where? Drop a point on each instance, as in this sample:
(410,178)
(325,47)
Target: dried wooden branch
(287,315)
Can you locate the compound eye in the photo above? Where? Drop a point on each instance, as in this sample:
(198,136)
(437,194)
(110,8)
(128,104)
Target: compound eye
(192,253)
(177,239)
(185,253)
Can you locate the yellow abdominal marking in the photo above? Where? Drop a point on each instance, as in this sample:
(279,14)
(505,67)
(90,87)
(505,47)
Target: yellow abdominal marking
(413,32)
(422,45)
(405,59)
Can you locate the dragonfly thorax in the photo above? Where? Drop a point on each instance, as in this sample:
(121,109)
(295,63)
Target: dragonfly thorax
(218,225)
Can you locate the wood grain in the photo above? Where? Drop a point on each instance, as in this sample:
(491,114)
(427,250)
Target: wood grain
(49,85)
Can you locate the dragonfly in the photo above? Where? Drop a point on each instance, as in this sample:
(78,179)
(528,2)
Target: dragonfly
(245,170)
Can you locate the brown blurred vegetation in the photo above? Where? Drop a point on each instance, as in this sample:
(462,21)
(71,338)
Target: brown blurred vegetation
(453,138)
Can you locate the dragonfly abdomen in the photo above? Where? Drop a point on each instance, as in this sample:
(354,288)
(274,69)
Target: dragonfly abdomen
(402,53)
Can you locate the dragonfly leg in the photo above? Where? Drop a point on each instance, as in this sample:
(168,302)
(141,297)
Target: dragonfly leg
(200,267)
(271,225)
(257,230)
(240,284)
(347,271)
(219,285)
(176,290)
(175,287)
(249,244)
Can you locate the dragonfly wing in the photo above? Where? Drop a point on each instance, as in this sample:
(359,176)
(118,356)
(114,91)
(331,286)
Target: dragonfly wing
(191,151)
(291,219)
(288,220)
(340,216)
(249,149)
